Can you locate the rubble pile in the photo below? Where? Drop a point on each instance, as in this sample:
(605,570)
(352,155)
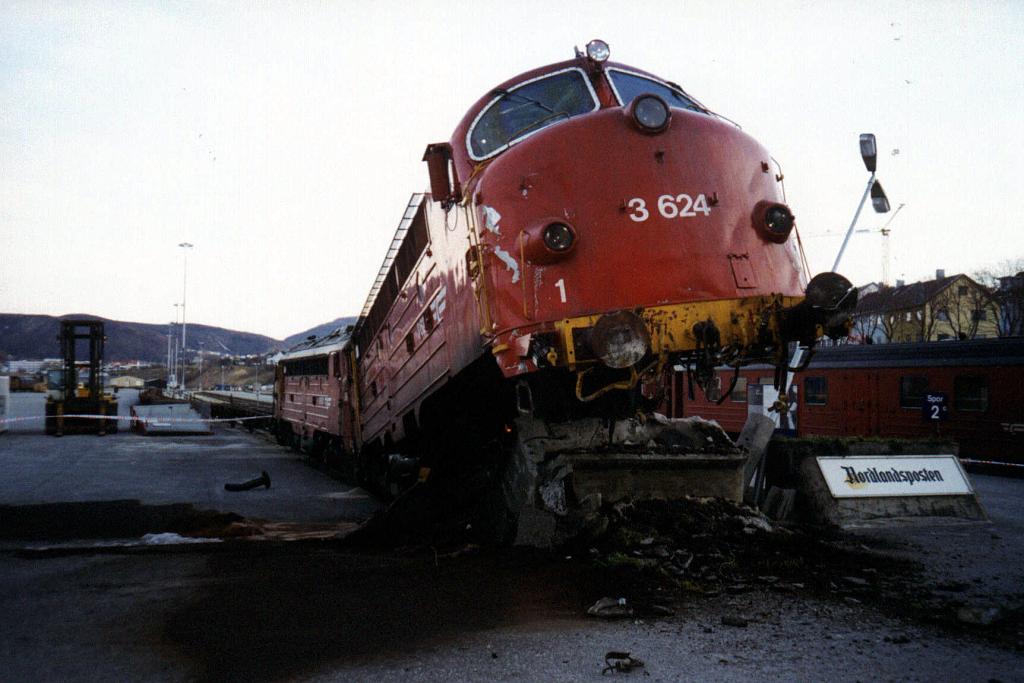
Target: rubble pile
(712,546)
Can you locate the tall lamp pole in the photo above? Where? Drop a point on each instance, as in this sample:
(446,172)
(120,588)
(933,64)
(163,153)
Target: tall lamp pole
(186,246)
(869,153)
(177,342)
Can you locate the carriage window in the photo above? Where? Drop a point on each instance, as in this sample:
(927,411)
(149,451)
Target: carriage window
(529,107)
(628,85)
(970,393)
(816,391)
(714,390)
(739,392)
(912,391)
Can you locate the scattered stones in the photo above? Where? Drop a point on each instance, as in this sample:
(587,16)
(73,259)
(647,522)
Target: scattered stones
(620,662)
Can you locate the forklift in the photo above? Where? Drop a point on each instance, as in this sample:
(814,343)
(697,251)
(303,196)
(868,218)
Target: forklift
(67,399)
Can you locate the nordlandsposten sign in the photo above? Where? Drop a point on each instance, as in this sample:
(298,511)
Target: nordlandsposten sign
(894,475)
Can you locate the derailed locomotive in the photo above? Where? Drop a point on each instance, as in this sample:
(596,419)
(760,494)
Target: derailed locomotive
(588,227)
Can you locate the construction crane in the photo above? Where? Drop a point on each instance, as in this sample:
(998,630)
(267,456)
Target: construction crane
(885,231)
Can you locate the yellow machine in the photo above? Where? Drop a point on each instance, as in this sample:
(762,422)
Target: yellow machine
(80,409)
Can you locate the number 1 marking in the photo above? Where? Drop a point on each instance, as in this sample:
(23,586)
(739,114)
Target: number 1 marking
(561,289)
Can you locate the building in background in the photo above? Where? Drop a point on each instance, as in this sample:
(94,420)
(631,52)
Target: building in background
(1010,296)
(953,307)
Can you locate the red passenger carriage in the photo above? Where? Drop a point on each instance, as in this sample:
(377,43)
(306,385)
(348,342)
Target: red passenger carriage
(878,390)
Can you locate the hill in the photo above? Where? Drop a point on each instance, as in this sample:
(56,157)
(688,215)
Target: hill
(35,336)
(319,330)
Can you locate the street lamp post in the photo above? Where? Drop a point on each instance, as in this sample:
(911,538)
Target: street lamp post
(200,380)
(170,333)
(186,246)
(869,153)
(175,355)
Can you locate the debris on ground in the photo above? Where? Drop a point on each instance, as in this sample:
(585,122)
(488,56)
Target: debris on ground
(979,616)
(262,480)
(620,662)
(611,608)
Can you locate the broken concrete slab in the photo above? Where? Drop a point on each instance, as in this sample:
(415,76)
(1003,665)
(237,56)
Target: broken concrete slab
(556,466)
(753,440)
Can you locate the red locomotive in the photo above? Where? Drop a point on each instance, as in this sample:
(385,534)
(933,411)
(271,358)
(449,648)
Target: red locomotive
(880,390)
(589,226)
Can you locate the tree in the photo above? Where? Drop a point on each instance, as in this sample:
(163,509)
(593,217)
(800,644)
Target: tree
(958,306)
(867,326)
(1006,284)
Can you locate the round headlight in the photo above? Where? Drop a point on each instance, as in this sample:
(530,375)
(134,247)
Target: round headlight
(559,237)
(779,220)
(620,339)
(598,50)
(651,113)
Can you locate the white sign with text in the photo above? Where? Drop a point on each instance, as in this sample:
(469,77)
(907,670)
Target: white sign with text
(862,476)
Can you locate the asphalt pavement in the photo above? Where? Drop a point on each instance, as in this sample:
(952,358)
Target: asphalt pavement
(276,611)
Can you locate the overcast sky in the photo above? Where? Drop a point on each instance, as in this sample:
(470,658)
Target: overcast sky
(284,139)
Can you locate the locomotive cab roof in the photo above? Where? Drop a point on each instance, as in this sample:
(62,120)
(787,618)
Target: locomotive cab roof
(540,98)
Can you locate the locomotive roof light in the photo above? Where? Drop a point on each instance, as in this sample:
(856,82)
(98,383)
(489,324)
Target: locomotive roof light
(559,237)
(868,150)
(598,51)
(650,113)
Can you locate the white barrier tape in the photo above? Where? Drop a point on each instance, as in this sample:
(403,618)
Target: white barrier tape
(991,462)
(146,419)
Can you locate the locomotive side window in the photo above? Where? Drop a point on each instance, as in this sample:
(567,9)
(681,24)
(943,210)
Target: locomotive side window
(912,390)
(816,391)
(628,85)
(519,112)
(970,393)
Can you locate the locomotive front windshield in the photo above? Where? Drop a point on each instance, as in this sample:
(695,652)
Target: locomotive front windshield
(527,108)
(628,85)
